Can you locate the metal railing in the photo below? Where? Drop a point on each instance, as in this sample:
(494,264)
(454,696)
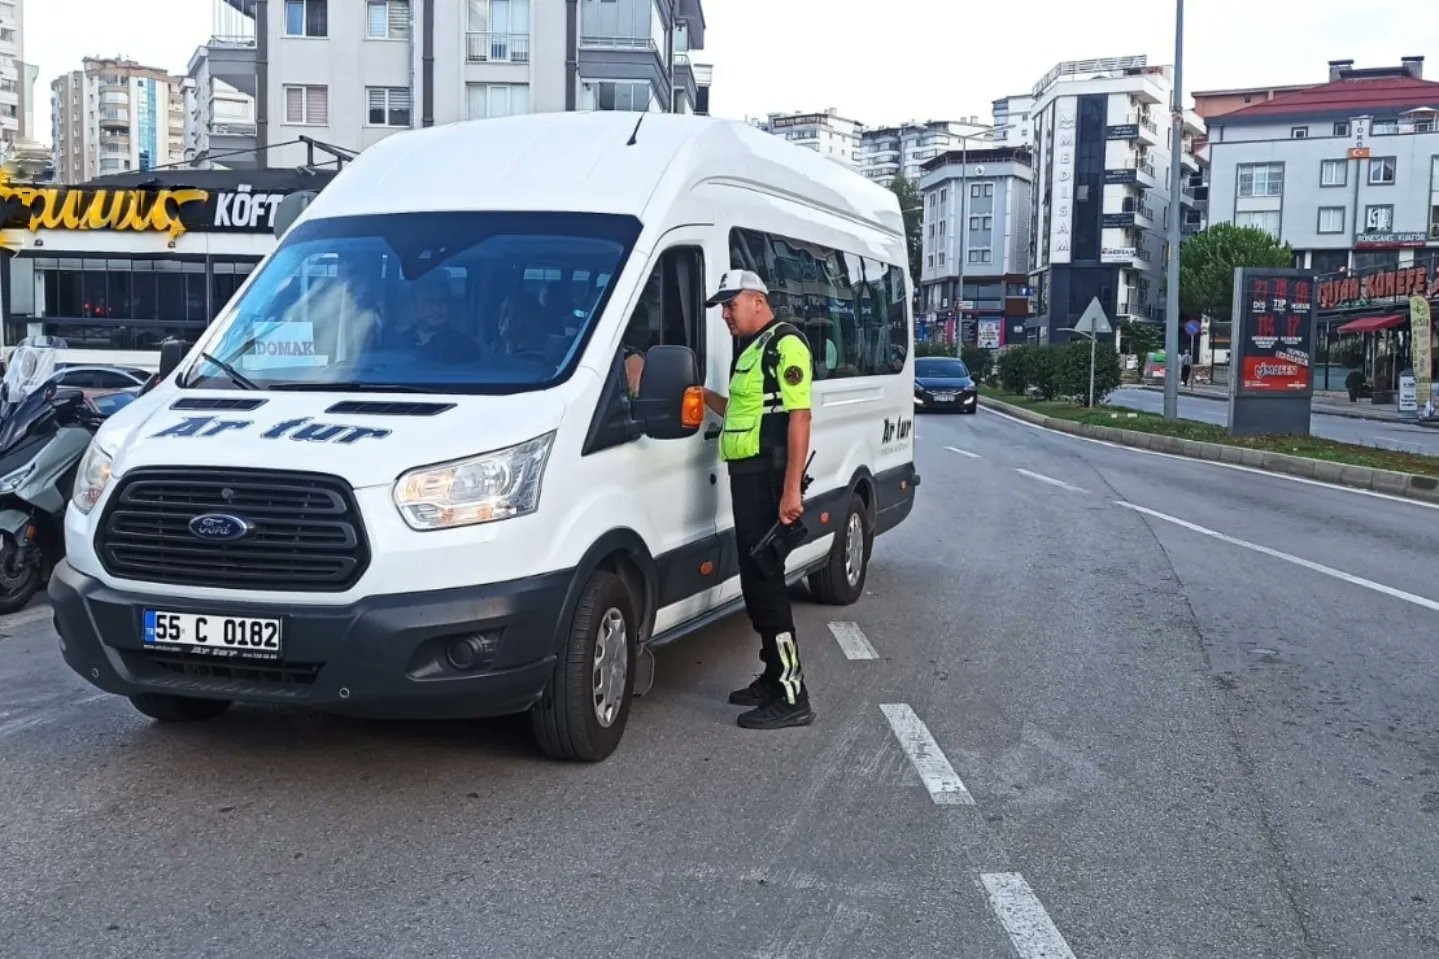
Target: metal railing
(497,47)
(596,42)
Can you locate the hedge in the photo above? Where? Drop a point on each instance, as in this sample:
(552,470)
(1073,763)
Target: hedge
(1059,370)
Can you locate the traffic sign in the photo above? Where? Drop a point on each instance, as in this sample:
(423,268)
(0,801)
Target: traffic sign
(1192,327)
(1092,320)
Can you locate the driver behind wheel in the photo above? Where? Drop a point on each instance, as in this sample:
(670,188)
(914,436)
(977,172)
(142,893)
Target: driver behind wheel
(434,336)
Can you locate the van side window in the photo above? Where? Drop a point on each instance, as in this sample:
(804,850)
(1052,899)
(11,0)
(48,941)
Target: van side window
(670,311)
(851,308)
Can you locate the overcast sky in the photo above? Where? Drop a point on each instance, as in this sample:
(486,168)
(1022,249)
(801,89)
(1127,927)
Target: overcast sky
(877,62)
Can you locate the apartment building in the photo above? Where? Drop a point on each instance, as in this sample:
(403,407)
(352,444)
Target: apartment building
(114,115)
(827,133)
(885,152)
(17,79)
(976,244)
(1346,172)
(348,73)
(1103,184)
(1012,126)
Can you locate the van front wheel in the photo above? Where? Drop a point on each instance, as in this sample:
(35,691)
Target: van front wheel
(583,711)
(840,582)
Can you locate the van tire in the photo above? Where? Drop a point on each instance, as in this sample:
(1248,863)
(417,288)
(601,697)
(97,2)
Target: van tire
(565,722)
(178,709)
(831,584)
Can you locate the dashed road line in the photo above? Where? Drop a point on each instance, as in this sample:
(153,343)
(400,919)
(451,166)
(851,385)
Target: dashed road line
(1023,916)
(852,640)
(1339,574)
(1228,466)
(1050,480)
(955,449)
(939,777)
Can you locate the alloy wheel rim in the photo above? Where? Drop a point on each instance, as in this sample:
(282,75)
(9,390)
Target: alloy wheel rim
(611,666)
(854,549)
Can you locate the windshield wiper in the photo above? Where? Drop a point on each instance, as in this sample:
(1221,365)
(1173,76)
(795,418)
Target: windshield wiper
(348,387)
(236,377)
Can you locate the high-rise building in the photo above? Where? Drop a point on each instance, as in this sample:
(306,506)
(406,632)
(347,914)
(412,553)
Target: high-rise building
(1012,125)
(1103,181)
(348,73)
(977,212)
(827,133)
(885,152)
(16,82)
(115,115)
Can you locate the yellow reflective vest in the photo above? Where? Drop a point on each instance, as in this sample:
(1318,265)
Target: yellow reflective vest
(770,378)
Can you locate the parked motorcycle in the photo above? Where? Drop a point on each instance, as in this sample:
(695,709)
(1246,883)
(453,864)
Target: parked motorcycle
(44,432)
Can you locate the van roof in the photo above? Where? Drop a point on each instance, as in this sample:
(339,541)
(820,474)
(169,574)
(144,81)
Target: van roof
(583,162)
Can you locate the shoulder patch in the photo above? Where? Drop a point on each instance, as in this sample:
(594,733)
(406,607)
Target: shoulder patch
(794,375)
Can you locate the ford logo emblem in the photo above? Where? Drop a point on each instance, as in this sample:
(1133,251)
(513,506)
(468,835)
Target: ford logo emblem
(219,527)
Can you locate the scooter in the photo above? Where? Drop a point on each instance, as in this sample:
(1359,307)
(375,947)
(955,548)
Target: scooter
(44,432)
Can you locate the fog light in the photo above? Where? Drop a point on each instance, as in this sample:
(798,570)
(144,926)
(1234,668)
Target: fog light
(471,652)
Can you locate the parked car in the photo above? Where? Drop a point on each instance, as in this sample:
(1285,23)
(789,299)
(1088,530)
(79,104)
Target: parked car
(943,383)
(90,377)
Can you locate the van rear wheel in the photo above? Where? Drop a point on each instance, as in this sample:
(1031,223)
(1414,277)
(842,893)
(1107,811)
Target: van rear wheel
(841,581)
(581,715)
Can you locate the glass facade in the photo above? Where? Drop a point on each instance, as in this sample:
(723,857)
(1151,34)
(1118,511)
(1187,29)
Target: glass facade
(121,304)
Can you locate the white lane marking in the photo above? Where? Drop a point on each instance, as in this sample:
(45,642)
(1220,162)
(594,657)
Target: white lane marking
(955,449)
(1288,558)
(939,777)
(1023,917)
(1050,480)
(26,617)
(1228,466)
(852,640)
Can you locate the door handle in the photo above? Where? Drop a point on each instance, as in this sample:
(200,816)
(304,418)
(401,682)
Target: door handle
(712,431)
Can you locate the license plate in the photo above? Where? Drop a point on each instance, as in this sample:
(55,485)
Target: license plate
(214,635)
(944,397)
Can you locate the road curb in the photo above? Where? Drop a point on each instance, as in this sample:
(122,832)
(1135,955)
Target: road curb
(1408,485)
(1317,409)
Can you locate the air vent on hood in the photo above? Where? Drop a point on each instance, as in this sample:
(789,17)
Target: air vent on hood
(375,408)
(216,403)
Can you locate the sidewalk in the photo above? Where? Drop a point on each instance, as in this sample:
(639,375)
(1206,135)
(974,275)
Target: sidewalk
(1323,404)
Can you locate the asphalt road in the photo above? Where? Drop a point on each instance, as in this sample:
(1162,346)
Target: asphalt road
(1204,730)
(1377,433)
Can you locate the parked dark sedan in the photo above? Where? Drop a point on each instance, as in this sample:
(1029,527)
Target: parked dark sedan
(943,383)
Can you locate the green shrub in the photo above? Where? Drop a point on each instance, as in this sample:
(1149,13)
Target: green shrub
(1014,369)
(980,362)
(1073,372)
(1046,371)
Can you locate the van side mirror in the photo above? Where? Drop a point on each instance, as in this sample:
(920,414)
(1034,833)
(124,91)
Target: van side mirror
(172,351)
(671,403)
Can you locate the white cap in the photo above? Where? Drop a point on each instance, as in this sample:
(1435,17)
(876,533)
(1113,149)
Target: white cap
(735,282)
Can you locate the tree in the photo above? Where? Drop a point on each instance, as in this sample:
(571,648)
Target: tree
(1207,261)
(1140,338)
(911,205)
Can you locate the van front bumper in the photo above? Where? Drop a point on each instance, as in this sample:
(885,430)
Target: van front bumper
(382,657)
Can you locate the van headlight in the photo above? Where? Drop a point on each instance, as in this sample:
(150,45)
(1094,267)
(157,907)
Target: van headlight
(92,478)
(480,489)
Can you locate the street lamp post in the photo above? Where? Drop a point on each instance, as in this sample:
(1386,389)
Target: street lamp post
(1171,306)
(963,241)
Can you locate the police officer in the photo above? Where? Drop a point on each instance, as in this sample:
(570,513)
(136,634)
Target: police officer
(765,442)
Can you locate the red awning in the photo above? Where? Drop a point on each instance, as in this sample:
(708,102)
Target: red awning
(1373,324)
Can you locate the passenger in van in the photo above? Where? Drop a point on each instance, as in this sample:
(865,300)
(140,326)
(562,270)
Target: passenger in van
(435,338)
(765,442)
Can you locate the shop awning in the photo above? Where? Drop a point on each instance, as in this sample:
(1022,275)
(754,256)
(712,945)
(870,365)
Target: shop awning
(1373,324)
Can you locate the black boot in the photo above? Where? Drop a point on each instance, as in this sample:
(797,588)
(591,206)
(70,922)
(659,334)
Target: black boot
(765,686)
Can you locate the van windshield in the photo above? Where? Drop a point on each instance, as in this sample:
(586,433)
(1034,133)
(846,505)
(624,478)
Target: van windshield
(421,302)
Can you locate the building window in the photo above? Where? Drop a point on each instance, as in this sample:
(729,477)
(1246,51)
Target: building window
(1296,133)
(1382,170)
(1434,223)
(1331,219)
(389,19)
(1261,179)
(620,95)
(307,18)
(499,31)
(490,100)
(1333,172)
(981,223)
(1266,220)
(978,190)
(389,106)
(980,256)
(307,106)
(1341,129)
(1379,218)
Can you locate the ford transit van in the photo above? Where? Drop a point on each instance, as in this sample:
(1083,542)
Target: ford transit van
(444,453)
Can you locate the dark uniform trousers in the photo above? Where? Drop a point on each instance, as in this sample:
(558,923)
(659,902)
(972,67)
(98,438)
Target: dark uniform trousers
(756,494)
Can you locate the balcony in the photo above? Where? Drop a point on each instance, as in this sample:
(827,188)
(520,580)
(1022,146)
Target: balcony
(1143,212)
(594,42)
(121,124)
(497,48)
